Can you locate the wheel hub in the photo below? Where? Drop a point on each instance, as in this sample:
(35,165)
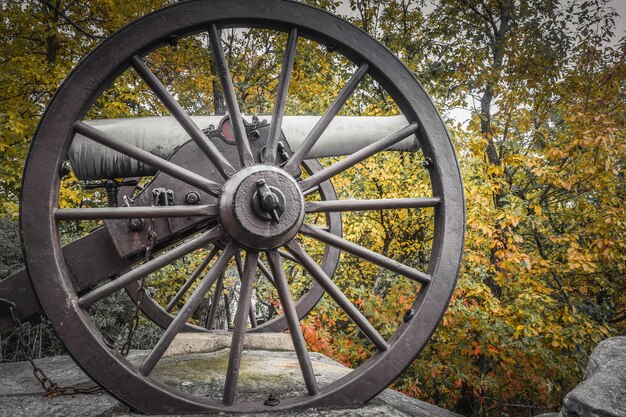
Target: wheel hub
(261,207)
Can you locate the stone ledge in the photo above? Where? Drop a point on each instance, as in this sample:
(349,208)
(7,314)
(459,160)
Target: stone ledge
(187,343)
(197,367)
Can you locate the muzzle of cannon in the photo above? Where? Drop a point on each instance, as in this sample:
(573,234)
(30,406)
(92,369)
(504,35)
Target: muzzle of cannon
(236,193)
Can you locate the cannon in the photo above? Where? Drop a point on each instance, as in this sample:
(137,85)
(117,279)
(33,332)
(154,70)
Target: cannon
(232,188)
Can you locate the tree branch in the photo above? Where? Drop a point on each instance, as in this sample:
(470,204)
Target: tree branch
(621,317)
(70,21)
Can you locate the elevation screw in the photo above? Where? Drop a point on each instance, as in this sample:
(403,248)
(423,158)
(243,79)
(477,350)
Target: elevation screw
(272,400)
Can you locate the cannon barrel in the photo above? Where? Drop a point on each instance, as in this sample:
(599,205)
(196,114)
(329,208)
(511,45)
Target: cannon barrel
(161,135)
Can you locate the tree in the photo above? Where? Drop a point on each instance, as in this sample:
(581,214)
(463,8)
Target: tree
(42,41)
(543,173)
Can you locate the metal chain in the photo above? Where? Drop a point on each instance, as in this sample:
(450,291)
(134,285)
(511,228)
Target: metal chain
(51,388)
(141,291)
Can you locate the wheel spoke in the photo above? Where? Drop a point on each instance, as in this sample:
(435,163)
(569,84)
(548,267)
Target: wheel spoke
(267,273)
(239,130)
(361,252)
(319,128)
(191,280)
(215,300)
(148,158)
(287,255)
(360,205)
(281,97)
(144,212)
(192,129)
(358,156)
(336,294)
(188,309)
(239,328)
(240,272)
(310,191)
(291,315)
(149,267)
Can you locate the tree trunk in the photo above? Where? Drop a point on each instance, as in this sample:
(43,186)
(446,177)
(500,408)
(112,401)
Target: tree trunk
(498,38)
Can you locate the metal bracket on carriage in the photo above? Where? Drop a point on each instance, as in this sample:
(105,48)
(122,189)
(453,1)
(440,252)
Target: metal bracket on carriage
(112,188)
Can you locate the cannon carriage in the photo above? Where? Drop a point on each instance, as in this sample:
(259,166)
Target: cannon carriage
(237,188)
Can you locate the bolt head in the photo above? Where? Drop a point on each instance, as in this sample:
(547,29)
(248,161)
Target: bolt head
(192,198)
(272,400)
(64,169)
(109,341)
(135,224)
(408,315)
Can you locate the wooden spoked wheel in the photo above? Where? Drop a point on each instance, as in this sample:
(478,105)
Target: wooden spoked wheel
(260,208)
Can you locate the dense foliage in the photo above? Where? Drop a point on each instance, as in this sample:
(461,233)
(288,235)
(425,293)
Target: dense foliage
(542,155)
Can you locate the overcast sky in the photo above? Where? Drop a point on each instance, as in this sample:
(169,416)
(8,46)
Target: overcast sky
(619,5)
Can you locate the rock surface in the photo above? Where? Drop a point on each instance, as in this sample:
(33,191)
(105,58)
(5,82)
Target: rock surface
(603,391)
(196,363)
(186,343)
(199,372)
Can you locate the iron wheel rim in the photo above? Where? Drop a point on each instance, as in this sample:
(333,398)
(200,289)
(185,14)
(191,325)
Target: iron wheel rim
(54,288)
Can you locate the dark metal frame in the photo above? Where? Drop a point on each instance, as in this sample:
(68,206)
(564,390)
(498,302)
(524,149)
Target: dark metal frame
(52,280)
